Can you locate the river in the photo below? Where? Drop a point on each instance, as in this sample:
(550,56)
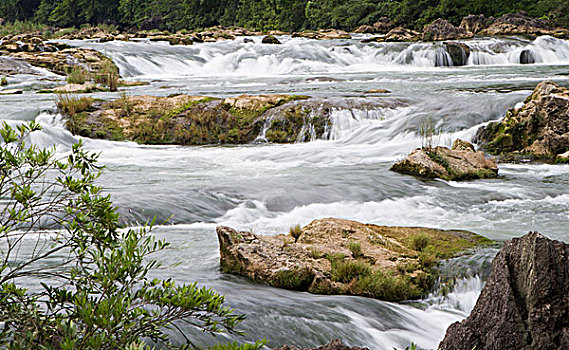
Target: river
(267,188)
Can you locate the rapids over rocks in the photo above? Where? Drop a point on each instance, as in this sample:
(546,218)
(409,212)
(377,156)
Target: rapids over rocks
(266,188)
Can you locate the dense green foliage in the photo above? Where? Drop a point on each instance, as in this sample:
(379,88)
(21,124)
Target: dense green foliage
(70,277)
(286,15)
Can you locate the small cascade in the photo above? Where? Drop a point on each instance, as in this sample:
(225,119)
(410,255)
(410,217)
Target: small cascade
(300,56)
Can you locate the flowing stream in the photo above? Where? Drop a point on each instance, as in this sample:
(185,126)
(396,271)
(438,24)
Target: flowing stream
(268,188)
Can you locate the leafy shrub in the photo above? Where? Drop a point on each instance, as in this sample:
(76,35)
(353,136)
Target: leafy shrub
(87,284)
(3,81)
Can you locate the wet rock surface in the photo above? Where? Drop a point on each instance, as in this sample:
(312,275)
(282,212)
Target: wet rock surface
(459,163)
(539,128)
(334,256)
(525,302)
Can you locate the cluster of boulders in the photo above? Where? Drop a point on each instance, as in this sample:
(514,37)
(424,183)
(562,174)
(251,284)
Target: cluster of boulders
(323,34)
(441,29)
(538,129)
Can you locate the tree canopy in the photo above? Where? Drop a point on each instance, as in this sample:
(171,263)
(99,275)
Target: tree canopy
(288,15)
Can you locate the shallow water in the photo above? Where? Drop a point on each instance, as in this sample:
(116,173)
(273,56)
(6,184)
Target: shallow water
(268,188)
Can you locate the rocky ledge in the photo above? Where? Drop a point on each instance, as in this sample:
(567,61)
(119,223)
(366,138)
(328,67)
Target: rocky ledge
(334,345)
(334,256)
(441,29)
(199,120)
(461,162)
(539,129)
(525,302)
(56,58)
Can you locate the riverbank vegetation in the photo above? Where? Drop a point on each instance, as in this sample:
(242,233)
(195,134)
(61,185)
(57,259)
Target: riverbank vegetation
(287,15)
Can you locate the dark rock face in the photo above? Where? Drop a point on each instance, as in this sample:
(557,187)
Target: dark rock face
(459,53)
(334,345)
(441,29)
(152,24)
(527,57)
(540,128)
(383,26)
(525,302)
(475,23)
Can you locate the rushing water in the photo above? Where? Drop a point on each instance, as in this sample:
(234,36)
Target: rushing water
(268,188)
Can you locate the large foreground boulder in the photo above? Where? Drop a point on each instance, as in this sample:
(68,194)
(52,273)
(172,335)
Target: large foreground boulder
(459,163)
(334,345)
(539,128)
(525,302)
(334,256)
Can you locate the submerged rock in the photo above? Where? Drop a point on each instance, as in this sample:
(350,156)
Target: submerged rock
(459,163)
(525,302)
(527,57)
(334,345)
(334,256)
(441,29)
(539,128)
(11,92)
(270,39)
(9,66)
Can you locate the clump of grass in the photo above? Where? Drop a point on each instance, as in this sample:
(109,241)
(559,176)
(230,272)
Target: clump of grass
(295,232)
(77,75)
(347,271)
(386,286)
(72,105)
(108,75)
(125,104)
(3,81)
(295,279)
(315,253)
(428,131)
(420,241)
(356,249)
(427,259)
